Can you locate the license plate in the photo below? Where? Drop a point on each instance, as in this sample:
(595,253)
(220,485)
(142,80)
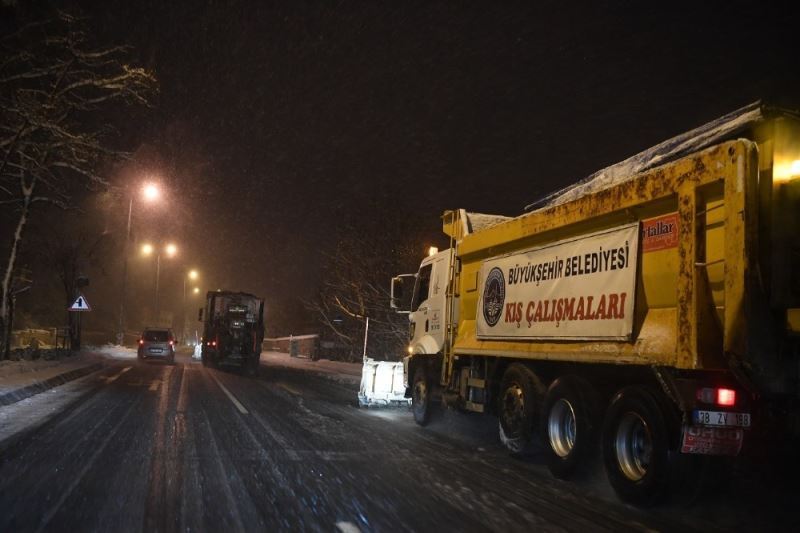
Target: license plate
(722,419)
(712,441)
(155,350)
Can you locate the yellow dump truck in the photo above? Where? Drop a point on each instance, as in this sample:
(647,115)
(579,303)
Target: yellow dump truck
(650,309)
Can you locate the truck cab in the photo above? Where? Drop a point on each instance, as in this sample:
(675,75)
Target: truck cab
(426,305)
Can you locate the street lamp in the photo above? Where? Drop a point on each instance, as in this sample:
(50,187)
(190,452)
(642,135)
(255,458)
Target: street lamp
(192,275)
(150,193)
(170,250)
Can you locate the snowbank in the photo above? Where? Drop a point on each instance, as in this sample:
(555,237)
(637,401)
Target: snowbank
(114,351)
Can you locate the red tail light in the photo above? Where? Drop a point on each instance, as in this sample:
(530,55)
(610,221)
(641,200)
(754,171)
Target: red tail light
(141,341)
(722,396)
(726,397)
(171,343)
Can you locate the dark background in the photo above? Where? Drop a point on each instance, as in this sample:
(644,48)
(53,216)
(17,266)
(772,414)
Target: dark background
(282,127)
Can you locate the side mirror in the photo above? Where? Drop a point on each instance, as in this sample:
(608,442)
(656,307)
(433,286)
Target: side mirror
(200,315)
(401,291)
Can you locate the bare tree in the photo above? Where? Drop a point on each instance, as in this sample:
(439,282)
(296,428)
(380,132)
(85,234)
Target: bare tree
(69,255)
(355,285)
(55,88)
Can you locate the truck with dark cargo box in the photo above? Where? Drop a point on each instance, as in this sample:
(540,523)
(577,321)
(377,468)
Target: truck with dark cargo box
(233,330)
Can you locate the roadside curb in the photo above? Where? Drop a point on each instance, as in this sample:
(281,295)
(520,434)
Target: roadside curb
(33,389)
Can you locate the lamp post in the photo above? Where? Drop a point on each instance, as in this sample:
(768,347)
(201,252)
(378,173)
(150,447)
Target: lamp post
(192,275)
(170,250)
(150,193)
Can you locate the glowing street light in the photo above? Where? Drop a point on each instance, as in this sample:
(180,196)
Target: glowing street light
(196,290)
(150,193)
(170,250)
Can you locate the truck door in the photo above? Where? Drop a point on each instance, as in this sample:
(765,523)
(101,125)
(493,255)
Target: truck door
(427,309)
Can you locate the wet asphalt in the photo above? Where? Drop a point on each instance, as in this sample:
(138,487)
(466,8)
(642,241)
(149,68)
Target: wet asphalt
(154,447)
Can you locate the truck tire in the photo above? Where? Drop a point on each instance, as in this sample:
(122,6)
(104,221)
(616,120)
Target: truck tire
(421,396)
(636,446)
(569,425)
(519,405)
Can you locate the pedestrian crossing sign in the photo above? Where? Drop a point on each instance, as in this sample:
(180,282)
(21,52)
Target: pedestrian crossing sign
(80,304)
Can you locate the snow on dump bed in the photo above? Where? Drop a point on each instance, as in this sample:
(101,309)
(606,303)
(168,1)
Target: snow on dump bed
(479,221)
(697,139)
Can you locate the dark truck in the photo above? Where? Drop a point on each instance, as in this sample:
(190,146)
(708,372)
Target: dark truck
(233,329)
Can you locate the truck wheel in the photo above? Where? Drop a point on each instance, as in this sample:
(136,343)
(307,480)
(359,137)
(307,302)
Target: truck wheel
(569,425)
(636,446)
(520,400)
(421,397)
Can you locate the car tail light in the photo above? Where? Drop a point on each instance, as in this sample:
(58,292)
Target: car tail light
(720,396)
(171,343)
(141,341)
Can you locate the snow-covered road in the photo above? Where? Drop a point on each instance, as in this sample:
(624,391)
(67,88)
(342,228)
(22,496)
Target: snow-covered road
(148,446)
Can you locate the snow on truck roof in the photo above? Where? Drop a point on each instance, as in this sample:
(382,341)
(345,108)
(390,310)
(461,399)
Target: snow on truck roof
(714,132)
(679,146)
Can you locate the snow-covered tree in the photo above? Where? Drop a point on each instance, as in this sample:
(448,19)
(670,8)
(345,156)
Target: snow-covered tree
(56,92)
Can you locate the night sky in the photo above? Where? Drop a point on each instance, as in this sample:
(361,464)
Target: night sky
(279,123)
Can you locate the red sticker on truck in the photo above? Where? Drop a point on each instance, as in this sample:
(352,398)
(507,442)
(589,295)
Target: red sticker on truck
(660,233)
(712,441)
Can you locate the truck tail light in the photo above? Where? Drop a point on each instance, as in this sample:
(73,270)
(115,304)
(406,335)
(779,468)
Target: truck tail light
(726,397)
(720,396)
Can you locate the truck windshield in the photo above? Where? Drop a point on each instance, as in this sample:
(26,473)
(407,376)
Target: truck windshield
(422,286)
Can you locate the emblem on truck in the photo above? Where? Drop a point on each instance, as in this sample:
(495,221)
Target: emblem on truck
(494,296)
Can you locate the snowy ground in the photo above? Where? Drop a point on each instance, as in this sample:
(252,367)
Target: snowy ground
(26,369)
(113,351)
(349,373)
(39,406)
(20,373)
